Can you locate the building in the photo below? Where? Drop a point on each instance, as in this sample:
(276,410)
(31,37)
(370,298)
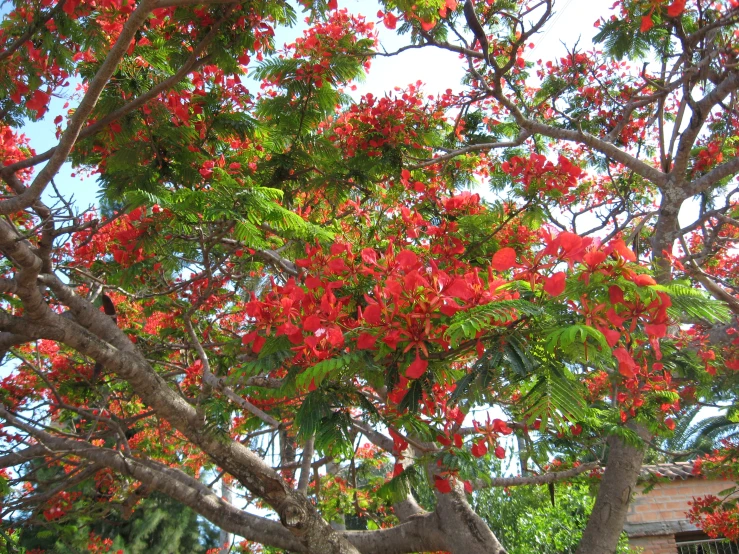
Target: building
(657,520)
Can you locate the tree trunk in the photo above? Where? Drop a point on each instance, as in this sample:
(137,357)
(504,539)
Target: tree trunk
(607,520)
(463,530)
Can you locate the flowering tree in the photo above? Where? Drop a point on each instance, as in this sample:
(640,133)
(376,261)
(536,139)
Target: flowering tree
(296,295)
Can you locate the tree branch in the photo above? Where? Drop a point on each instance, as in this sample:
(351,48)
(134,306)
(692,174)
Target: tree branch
(296,512)
(305,466)
(17,43)
(95,88)
(705,182)
(487,146)
(701,110)
(543,479)
(172,482)
(20,252)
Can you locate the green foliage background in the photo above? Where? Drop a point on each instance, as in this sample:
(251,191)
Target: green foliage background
(525,521)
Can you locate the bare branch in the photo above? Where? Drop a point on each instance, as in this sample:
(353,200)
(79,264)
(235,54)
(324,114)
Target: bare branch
(543,479)
(375,437)
(483,147)
(23,456)
(220,385)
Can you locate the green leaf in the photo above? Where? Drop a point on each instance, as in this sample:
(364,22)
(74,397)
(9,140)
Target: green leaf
(399,487)
(625,434)
(312,410)
(466,325)
(690,304)
(557,395)
(573,335)
(333,366)
(412,399)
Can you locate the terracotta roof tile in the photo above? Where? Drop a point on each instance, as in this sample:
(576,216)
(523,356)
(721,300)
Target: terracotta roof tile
(674,470)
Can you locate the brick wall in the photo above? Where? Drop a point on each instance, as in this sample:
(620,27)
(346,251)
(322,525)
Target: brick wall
(656,516)
(669,501)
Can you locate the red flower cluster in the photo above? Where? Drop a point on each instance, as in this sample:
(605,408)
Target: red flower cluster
(389,121)
(538,174)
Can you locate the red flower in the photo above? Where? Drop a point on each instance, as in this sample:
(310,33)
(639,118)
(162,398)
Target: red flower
(569,241)
(479,449)
(38,103)
(388,19)
(626,364)
(500,426)
(676,8)
(366,341)
(417,368)
(555,285)
(504,259)
(646,23)
(406,259)
(657,330)
(594,258)
(615,294)
(372,314)
(369,256)
(619,246)
(427,24)
(442,485)
(644,280)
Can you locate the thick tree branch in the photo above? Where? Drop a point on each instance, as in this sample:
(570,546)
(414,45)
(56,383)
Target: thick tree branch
(705,182)
(21,253)
(714,288)
(420,534)
(23,456)
(604,147)
(375,437)
(305,466)
(606,522)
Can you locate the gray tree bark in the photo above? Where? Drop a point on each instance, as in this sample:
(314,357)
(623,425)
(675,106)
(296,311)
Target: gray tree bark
(608,517)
